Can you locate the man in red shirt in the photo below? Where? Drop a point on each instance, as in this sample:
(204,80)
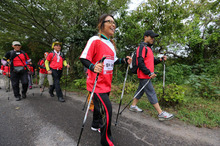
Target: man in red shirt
(54,65)
(145,72)
(18,70)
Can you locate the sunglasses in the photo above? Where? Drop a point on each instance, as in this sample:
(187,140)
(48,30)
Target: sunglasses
(17,45)
(110,21)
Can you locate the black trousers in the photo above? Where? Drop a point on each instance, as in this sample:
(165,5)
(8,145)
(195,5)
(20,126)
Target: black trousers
(15,78)
(102,117)
(56,81)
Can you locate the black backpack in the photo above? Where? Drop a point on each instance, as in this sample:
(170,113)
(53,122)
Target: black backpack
(134,65)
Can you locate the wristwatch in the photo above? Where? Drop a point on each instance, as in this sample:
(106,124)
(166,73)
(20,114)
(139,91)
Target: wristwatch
(151,74)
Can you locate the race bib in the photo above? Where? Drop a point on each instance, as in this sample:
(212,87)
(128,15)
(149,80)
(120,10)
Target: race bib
(108,65)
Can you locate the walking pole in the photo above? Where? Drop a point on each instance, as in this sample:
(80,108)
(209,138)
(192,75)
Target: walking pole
(135,96)
(163,77)
(85,102)
(93,90)
(9,79)
(122,94)
(67,70)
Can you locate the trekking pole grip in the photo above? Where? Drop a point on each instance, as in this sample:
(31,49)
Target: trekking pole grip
(102,60)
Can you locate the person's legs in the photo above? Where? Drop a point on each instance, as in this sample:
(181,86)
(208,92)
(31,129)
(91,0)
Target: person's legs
(41,80)
(51,85)
(29,81)
(24,82)
(15,85)
(152,97)
(50,79)
(97,117)
(157,107)
(56,76)
(7,82)
(106,114)
(134,107)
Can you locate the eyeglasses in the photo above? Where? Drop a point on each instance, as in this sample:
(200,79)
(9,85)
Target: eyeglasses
(110,21)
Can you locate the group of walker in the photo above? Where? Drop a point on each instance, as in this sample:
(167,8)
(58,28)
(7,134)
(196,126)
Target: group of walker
(17,66)
(99,57)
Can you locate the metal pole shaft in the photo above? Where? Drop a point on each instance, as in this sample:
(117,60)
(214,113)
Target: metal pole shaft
(135,96)
(122,94)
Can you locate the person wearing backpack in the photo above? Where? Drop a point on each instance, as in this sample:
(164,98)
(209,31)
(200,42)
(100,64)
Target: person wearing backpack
(43,73)
(18,71)
(145,72)
(54,65)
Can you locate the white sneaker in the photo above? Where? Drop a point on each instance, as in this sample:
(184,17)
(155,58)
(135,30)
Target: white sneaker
(165,116)
(135,109)
(96,129)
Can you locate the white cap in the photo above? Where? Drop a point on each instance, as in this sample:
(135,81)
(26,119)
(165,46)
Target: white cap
(16,43)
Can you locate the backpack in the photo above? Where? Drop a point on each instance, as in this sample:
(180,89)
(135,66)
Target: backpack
(134,65)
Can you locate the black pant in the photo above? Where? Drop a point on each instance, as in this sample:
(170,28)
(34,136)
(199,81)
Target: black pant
(15,77)
(56,81)
(102,117)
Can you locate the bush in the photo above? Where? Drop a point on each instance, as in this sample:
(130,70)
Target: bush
(177,73)
(204,86)
(174,94)
(80,83)
(130,88)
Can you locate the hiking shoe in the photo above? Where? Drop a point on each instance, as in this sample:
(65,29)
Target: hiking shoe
(24,95)
(30,87)
(18,98)
(96,129)
(135,109)
(165,116)
(61,99)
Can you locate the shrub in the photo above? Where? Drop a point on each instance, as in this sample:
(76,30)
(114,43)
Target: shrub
(174,94)
(205,86)
(80,83)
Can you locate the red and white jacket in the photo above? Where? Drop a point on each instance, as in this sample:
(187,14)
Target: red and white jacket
(95,49)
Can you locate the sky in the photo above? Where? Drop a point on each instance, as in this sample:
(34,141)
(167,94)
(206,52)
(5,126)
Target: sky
(134,4)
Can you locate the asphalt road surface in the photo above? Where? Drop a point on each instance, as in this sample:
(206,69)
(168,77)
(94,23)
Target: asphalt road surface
(43,121)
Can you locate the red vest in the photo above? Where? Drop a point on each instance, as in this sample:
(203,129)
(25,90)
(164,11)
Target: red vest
(42,70)
(148,61)
(54,63)
(20,61)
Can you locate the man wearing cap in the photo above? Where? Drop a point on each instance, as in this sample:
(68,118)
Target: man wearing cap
(145,72)
(18,70)
(54,65)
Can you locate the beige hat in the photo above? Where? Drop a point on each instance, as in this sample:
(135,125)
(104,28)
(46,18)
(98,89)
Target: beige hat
(16,43)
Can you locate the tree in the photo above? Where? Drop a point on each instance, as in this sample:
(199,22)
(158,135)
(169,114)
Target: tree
(184,26)
(38,23)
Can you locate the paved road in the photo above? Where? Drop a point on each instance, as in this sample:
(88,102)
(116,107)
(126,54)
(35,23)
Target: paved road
(43,121)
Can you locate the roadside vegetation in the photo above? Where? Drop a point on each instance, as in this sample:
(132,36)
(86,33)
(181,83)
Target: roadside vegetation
(191,94)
